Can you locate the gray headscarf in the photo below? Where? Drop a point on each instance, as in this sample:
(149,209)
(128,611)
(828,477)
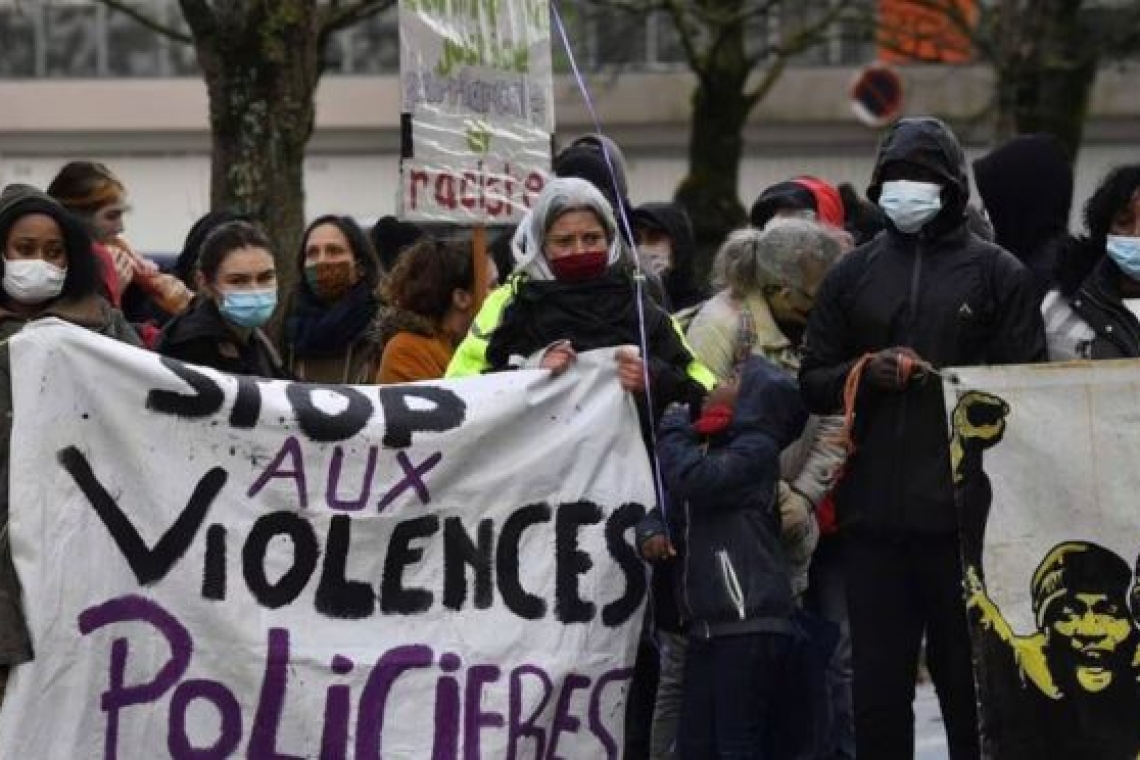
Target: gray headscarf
(561,194)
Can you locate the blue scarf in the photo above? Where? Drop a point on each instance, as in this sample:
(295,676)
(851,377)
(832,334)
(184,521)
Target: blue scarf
(315,328)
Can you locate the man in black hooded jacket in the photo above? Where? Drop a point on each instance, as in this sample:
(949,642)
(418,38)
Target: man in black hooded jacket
(925,292)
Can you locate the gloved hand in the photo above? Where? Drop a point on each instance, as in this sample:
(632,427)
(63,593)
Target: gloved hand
(657,548)
(887,370)
(797,519)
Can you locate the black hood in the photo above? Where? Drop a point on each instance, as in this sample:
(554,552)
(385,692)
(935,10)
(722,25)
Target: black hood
(673,220)
(769,400)
(927,142)
(82,270)
(1027,187)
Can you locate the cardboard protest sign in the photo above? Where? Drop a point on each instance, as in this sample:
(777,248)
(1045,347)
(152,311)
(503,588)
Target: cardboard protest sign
(1044,462)
(217,566)
(477,88)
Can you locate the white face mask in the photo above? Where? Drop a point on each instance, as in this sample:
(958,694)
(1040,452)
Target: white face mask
(657,258)
(32,281)
(910,205)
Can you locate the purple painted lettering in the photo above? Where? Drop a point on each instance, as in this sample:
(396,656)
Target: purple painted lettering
(292,449)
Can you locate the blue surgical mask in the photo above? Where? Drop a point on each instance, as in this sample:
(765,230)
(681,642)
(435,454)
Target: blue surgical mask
(1125,251)
(910,205)
(248,308)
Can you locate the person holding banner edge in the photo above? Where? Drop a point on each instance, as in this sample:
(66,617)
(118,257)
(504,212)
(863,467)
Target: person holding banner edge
(566,295)
(926,292)
(571,292)
(49,271)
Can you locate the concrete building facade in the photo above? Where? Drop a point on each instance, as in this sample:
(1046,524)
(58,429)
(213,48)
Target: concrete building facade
(149,122)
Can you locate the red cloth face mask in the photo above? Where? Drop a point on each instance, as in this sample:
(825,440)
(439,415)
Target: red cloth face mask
(714,419)
(588,265)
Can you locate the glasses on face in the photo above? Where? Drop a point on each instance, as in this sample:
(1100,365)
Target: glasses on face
(585,241)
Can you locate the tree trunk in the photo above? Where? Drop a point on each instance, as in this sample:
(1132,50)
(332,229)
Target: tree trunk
(1047,77)
(721,104)
(710,192)
(262,73)
(259,138)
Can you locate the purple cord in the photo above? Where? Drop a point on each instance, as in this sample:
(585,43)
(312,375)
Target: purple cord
(639,277)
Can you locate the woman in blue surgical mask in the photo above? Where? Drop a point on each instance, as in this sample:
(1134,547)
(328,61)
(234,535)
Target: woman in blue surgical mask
(237,295)
(1094,312)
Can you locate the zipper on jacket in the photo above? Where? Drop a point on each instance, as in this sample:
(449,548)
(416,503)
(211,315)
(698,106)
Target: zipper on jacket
(1111,308)
(688,607)
(898,508)
(731,582)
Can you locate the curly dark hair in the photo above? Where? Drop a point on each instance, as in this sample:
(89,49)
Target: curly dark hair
(1112,194)
(427,274)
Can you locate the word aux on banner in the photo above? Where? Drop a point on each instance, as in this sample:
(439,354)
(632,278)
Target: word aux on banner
(223,566)
(1044,461)
(477,88)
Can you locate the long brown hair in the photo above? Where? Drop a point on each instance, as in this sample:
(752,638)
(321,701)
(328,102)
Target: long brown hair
(427,274)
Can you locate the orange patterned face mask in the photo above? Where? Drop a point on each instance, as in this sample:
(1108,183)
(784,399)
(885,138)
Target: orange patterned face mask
(330,280)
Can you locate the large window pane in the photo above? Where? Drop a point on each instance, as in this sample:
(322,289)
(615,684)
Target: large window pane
(132,49)
(669,50)
(621,38)
(71,35)
(374,45)
(18,42)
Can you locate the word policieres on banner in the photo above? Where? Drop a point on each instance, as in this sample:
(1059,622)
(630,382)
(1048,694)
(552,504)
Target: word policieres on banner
(460,696)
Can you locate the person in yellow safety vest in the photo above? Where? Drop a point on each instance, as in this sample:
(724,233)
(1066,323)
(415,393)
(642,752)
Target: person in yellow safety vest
(570,293)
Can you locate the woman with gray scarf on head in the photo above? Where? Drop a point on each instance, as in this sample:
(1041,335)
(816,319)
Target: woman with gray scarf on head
(569,293)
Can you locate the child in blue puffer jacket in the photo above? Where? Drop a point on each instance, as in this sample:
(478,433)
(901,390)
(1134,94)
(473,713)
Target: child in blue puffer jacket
(733,590)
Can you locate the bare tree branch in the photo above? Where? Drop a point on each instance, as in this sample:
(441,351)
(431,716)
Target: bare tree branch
(201,17)
(751,10)
(632,7)
(805,37)
(727,24)
(342,15)
(687,35)
(150,23)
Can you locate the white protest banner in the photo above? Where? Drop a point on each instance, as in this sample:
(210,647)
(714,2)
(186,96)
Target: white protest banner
(218,566)
(476,82)
(1045,466)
